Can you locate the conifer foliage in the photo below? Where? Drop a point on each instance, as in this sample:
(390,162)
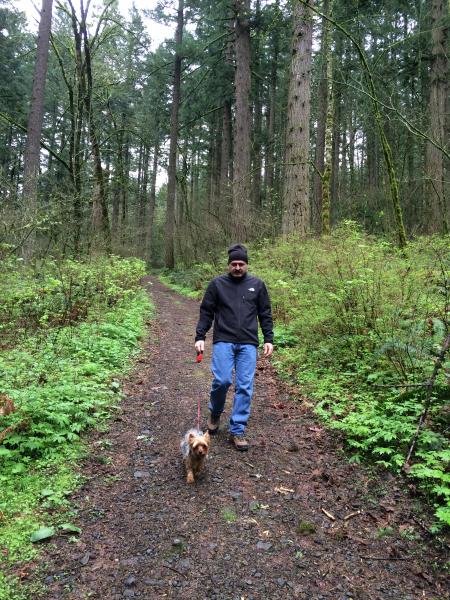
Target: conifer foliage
(254,118)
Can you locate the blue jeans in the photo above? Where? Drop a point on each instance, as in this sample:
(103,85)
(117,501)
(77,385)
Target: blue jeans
(225,358)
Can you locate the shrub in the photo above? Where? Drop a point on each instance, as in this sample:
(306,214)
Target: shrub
(56,381)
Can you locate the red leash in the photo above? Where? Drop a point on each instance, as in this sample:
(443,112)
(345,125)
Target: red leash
(198,360)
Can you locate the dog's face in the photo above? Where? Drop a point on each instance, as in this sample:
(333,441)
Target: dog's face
(199,444)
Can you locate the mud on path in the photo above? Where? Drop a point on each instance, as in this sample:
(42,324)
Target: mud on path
(289,519)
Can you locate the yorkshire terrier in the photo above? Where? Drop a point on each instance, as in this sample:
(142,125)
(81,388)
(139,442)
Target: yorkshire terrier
(194,447)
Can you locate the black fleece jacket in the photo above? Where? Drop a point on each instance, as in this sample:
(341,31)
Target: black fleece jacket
(236,304)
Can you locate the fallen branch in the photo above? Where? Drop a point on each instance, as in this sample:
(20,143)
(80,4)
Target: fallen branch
(284,490)
(428,400)
(383,557)
(430,533)
(405,385)
(6,432)
(353,514)
(20,426)
(329,515)
(175,570)
(22,128)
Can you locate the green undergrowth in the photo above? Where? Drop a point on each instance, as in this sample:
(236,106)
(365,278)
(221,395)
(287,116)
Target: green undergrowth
(359,327)
(190,282)
(59,376)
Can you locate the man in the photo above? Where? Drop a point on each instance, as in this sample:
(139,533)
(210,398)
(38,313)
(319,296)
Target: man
(236,302)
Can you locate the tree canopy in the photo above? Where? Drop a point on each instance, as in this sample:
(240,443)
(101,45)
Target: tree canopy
(256,111)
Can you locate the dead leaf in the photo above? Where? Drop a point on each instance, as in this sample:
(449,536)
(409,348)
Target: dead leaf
(316,429)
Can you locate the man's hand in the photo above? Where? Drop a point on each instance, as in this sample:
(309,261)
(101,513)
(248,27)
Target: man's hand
(268,349)
(200,346)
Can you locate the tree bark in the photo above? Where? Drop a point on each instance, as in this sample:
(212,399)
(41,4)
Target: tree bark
(225,164)
(124,188)
(172,169)
(437,210)
(322,108)
(144,160)
(151,201)
(270,151)
(336,142)
(296,205)
(387,150)
(210,167)
(35,120)
(77,132)
(328,133)
(100,219)
(241,214)
(257,116)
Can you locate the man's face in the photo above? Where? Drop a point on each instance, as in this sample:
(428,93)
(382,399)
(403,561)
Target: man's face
(237,268)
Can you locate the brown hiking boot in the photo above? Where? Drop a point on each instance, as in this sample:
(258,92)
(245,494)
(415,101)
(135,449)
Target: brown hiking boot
(239,442)
(213,424)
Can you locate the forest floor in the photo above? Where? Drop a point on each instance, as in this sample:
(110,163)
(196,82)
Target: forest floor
(291,518)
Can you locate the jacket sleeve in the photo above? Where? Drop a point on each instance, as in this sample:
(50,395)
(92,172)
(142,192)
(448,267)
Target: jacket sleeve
(207,310)
(265,314)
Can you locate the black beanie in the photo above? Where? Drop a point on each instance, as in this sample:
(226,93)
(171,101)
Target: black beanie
(237,252)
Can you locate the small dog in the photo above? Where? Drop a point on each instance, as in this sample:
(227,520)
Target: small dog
(194,447)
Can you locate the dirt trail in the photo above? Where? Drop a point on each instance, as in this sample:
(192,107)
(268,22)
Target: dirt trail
(258,525)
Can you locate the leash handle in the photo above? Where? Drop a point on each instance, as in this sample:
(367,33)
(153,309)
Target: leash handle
(198,360)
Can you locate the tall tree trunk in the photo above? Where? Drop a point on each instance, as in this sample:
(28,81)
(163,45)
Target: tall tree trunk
(273,84)
(210,167)
(336,142)
(329,124)
(151,201)
(75,89)
(296,205)
(322,107)
(116,189)
(172,169)
(225,162)
(351,151)
(216,177)
(52,139)
(257,115)
(372,156)
(124,190)
(241,214)
(141,157)
(100,219)
(226,152)
(35,119)
(195,180)
(438,103)
(387,150)
(77,134)
(144,159)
